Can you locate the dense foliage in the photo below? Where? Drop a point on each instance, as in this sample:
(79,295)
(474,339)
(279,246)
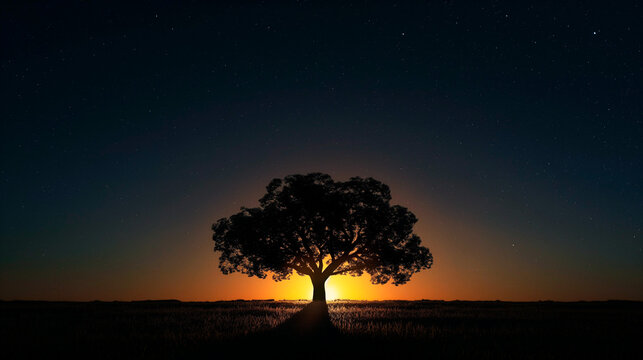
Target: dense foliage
(318,227)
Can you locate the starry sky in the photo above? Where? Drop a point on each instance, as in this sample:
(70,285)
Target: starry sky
(512,130)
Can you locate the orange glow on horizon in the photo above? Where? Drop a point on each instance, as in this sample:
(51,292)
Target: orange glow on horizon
(473,261)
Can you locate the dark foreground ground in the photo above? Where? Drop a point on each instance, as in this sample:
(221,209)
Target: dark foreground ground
(297,330)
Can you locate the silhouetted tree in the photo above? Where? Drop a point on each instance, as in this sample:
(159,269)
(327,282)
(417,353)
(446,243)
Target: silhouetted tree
(318,227)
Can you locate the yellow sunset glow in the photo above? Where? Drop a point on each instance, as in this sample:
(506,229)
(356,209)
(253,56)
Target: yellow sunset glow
(331,292)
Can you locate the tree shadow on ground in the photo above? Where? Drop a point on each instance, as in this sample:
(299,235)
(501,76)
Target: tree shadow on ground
(312,322)
(309,334)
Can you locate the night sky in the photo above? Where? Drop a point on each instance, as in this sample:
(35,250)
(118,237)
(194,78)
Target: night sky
(512,131)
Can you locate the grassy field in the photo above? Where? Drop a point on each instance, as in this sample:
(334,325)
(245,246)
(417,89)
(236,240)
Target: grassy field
(387,329)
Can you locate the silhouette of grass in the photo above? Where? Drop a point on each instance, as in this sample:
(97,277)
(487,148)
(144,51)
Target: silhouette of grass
(345,329)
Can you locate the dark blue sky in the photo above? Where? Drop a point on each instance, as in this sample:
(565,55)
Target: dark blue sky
(128,129)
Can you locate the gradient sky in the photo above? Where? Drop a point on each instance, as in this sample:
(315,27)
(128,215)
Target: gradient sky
(512,131)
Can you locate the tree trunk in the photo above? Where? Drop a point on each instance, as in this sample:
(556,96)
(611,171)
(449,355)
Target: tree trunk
(319,290)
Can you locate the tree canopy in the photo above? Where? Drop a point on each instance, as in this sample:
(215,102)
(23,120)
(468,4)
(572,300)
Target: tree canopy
(318,227)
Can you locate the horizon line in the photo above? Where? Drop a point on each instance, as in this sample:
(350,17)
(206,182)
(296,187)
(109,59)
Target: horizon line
(310,300)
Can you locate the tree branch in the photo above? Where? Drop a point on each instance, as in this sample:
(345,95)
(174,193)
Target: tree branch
(310,258)
(305,265)
(299,257)
(357,267)
(299,268)
(337,262)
